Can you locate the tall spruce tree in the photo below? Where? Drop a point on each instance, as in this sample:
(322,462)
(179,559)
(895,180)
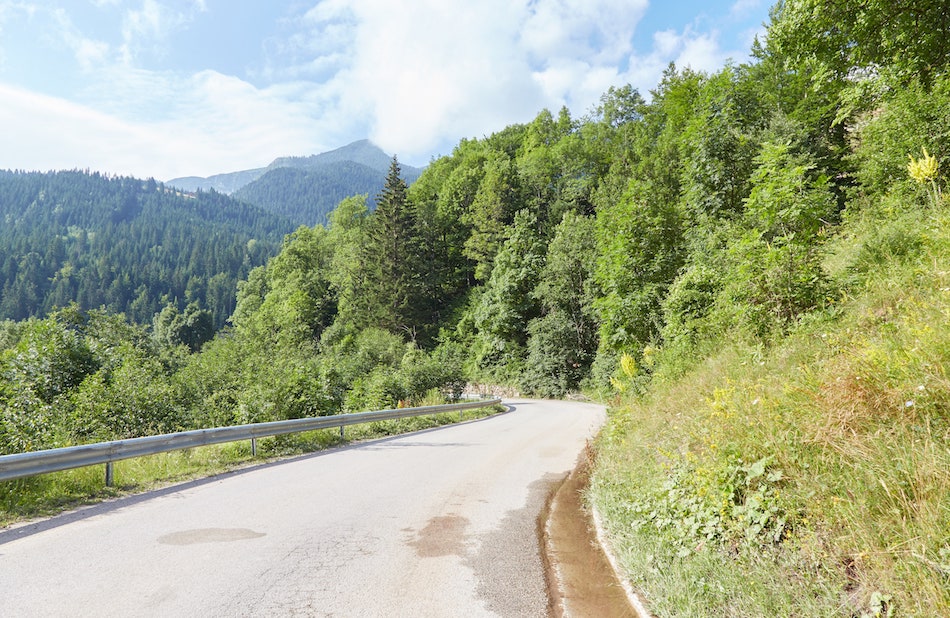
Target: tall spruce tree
(394,281)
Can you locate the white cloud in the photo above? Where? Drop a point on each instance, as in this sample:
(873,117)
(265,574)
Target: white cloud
(699,51)
(599,30)
(414,76)
(220,124)
(88,53)
(428,73)
(146,27)
(460,72)
(8,11)
(51,133)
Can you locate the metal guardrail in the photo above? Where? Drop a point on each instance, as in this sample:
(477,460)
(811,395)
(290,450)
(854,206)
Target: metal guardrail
(20,465)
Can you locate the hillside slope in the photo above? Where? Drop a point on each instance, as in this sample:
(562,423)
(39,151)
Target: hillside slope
(306,194)
(126,244)
(810,477)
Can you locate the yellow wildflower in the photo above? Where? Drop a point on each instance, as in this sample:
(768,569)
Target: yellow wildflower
(628,365)
(923,169)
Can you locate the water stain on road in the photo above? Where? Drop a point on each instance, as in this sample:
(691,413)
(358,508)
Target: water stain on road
(508,565)
(209,535)
(442,536)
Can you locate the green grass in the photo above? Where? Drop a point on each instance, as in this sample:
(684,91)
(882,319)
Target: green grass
(810,478)
(49,494)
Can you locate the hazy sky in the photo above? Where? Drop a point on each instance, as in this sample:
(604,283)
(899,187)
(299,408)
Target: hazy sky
(166,88)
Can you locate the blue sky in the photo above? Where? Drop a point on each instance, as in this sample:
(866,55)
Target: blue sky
(166,88)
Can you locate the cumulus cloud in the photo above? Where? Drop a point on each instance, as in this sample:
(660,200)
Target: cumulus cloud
(88,52)
(45,131)
(216,128)
(424,74)
(689,48)
(741,8)
(413,76)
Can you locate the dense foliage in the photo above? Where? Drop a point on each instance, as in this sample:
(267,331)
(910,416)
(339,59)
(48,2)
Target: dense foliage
(127,245)
(745,263)
(306,197)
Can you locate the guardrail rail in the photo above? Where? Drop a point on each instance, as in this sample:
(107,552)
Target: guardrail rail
(20,465)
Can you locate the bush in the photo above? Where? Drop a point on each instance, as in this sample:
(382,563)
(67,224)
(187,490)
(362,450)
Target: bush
(688,303)
(910,120)
(773,284)
(135,399)
(555,364)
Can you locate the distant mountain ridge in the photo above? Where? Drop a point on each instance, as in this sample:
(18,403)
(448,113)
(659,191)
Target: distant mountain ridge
(222,183)
(306,189)
(363,152)
(307,196)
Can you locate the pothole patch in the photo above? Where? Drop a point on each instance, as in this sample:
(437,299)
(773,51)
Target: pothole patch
(209,535)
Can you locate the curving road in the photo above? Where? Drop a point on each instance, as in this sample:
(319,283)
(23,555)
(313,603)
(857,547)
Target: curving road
(436,523)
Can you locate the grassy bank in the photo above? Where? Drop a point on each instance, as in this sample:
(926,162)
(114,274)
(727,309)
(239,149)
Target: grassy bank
(49,494)
(810,477)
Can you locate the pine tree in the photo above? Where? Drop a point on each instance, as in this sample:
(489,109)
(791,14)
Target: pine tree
(395,277)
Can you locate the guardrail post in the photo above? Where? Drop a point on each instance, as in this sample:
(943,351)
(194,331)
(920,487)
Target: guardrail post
(253,447)
(341,432)
(109,474)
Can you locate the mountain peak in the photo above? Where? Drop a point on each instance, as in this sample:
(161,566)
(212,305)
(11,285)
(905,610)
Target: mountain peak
(361,151)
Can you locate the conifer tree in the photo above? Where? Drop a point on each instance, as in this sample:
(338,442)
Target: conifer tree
(395,276)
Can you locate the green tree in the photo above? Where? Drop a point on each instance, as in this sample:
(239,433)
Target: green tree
(838,39)
(51,357)
(771,271)
(395,273)
(639,252)
(192,328)
(491,212)
(719,145)
(347,237)
(130,399)
(507,306)
(289,302)
(562,343)
(442,196)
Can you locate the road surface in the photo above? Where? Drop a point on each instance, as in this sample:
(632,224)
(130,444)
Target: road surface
(436,523)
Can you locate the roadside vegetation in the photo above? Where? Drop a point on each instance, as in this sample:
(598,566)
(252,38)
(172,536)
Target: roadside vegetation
(811,476)
(785,447)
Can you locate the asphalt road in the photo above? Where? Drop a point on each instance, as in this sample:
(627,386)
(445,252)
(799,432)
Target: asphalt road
(437,523)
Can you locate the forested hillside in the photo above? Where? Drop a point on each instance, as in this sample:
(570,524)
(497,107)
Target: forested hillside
(305,190)
(750,266)
(128,245)
(307,196)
